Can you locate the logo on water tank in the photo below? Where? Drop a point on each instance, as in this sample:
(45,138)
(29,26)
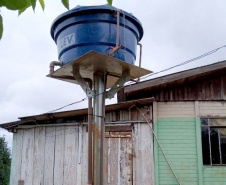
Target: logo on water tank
(66,41)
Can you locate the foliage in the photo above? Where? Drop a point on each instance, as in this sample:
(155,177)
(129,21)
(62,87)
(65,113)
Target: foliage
(22,5)
(110,2)
(5,161)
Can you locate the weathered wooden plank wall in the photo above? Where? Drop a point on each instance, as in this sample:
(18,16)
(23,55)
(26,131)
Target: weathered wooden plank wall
(58,155)
(143,155)
(18,148)
(211,87)
(118,164)
(38,160)
(212,109)
(47,155)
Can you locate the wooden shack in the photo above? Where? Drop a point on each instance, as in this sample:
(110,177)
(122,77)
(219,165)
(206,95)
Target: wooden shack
(52,148)
(187,111)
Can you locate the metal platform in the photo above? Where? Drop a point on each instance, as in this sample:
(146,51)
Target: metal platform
(93,62)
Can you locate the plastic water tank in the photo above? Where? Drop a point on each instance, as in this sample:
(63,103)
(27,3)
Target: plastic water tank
(87,28)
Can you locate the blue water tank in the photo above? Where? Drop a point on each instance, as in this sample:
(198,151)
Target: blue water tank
(87,28)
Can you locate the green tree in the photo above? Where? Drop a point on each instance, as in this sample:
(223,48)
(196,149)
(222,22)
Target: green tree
(22,5)
(5,161)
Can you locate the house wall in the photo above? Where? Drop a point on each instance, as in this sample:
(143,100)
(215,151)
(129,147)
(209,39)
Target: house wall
(177,126)
(212,109)
(213,174)
(46,155)
(201,87)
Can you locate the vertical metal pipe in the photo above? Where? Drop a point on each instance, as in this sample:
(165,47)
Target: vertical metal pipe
(210,142)
(103,133)
(98,128)
(140,59)
(117,34)
(90,140)
(219,142)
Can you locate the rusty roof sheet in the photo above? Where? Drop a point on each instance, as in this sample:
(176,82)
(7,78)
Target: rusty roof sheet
(49,116)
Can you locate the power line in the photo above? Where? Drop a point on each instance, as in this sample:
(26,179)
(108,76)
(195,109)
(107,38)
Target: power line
(68,105)
(144,77)
(186,62)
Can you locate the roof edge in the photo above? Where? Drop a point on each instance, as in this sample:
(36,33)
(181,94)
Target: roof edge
(175,76)
(80,112)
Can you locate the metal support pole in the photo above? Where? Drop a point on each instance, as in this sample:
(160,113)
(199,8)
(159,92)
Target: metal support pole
(140,59)
(99,128)
(118,25)
(90,139)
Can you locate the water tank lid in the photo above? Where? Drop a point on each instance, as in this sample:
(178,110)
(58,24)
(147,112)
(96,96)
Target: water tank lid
(95,9)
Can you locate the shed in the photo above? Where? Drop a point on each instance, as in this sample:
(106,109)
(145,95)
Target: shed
(187,111)
(52,148)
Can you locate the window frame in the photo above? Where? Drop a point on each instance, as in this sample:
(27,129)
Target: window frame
(209,137)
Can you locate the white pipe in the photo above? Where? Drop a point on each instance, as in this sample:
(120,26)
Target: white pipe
(51,66)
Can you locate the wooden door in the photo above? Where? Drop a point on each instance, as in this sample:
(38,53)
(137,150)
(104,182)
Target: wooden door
(118,158)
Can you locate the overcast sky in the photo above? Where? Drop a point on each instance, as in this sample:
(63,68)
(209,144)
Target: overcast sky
(174,31)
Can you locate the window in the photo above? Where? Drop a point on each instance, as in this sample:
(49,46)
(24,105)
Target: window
(213,141)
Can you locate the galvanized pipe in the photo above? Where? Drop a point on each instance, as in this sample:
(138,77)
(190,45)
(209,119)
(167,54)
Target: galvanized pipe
(117,34)
(117,47)
(98,128)
(103,132)
(140,59)
(90,140)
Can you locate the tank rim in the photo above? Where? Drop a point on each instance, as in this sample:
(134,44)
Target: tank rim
(93,9)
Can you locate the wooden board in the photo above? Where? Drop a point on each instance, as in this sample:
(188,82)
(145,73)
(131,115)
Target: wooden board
(93,61)
(84,163)
(15,173)
(27,156)
(59,153)
(70,155)
(143,155)
(49,155)
(38,158)
(19,151)
(13,161)
(118,161)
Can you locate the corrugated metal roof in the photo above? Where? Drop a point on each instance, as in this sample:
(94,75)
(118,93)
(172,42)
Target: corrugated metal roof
(49,116)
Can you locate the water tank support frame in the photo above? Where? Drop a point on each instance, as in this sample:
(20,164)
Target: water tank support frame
(82,82)
(118,84)
(87,63)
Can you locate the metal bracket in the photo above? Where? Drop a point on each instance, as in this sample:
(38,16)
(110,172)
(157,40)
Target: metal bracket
(89,92)
(116,87)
